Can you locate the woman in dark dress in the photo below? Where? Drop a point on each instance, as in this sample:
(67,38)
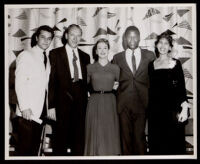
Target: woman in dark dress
(168,107)
(102,126)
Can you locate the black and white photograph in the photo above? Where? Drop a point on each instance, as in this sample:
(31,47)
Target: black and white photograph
(100,81)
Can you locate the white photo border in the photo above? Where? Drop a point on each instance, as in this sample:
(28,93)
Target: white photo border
(6,45)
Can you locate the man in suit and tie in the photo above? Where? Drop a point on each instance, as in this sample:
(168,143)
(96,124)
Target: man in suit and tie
(31,85)
(132,93)
(68,93)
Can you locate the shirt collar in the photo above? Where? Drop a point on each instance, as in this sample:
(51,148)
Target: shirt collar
(137,51)
(40,51)
(68,48)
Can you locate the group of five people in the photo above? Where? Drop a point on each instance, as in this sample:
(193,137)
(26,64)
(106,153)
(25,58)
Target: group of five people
(123,94)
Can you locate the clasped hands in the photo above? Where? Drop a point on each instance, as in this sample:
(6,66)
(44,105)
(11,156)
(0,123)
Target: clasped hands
(27,114)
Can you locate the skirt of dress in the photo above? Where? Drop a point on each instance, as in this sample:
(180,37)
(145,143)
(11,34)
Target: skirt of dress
(102,135)
(166,134)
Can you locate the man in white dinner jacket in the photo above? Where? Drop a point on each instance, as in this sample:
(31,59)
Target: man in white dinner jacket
(31,83)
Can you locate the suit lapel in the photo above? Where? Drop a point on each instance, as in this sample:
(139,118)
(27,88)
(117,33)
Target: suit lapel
(66,61)
(142,63)
(125,65)
(82,64)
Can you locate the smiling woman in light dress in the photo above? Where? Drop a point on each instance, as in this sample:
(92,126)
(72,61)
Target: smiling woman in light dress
(102,126)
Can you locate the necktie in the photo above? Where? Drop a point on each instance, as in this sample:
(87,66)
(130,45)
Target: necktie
(45,59)
(44,111)
(75,67)
(133,63)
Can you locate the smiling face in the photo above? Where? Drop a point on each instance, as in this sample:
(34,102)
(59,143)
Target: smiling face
(102,50)
(133,39)
(44,39)
(74,37)
(163,46)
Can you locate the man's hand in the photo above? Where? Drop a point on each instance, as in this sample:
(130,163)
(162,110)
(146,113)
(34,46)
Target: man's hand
(116,85)
(51,114)
(26,114)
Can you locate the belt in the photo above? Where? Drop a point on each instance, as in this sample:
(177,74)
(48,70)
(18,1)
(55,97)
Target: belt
(101,92)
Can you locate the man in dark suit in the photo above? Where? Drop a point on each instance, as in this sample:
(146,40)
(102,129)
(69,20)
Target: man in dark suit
(68,94)
(132,93)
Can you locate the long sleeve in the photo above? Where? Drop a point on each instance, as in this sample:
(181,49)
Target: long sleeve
(88,74)
(181,87)
(52,81)
(114,60)
(23,82)
(89,84)
(117,73)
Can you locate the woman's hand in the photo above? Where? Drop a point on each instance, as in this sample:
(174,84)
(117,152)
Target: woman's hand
(183,116)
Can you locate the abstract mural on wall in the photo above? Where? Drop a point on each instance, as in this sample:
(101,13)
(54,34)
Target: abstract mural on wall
(110,23)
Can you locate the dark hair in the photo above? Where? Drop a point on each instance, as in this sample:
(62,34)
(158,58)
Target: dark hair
(37,33)
(159,37)
(94,54)
(128,29)
(63,39)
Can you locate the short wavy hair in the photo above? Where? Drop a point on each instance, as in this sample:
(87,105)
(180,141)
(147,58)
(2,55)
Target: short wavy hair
(161,36)
(37,33)
(94,54)
(63,39)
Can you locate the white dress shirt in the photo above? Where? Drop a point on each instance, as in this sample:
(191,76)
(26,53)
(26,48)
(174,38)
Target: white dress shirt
(31,80)
(137,53)
(69,51)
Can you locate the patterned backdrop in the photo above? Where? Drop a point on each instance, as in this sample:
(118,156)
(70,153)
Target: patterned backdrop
(107,22)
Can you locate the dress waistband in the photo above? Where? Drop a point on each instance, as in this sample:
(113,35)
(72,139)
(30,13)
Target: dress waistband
(101,92)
